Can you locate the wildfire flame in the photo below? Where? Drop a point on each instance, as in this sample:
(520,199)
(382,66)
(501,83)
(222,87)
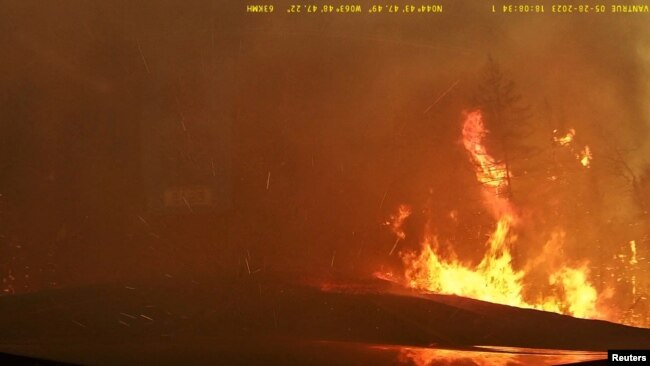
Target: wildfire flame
(492,280)
(579,298)
(489,171)
(396,221)
(633,262)
(495,279)
(633,250)
(566,139)
(585,157)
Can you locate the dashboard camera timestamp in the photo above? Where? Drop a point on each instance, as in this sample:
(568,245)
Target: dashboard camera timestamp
(540,8)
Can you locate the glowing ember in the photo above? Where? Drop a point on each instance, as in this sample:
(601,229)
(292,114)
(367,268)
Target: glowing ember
(585,157)
(495,279)
(566,139)
(633,250)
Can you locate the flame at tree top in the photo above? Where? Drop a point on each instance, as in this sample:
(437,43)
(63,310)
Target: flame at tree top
(495,279)
(489,172)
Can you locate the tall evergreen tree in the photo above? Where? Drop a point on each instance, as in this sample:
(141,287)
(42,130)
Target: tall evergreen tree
(505,116)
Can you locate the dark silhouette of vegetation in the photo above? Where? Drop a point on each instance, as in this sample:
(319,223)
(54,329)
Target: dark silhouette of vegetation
(505,116)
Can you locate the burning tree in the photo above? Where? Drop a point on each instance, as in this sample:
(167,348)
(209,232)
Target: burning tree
(560,222)
(495,278)
(504,115)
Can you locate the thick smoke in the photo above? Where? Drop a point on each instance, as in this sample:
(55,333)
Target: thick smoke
(336,120)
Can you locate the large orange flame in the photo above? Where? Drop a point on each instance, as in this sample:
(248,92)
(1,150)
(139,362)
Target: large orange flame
(489,172)
(495,279)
